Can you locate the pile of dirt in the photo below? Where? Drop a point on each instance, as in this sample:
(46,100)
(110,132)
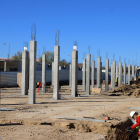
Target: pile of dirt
(128,90)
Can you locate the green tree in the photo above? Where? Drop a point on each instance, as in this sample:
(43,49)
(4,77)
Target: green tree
(63,62)
(17,56)
(49,57)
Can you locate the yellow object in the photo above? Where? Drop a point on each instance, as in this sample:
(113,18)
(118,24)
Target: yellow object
(96,90)
(37,83)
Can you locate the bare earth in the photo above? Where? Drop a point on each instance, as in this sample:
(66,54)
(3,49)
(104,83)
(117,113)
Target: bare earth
(39,121)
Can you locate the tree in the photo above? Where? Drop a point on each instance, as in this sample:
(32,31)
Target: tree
(63,62)
(17,56)
(49,57)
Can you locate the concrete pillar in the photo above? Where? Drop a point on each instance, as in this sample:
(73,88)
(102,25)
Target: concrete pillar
(133,72)
(128,74)
(120,74)
(43,73)
(70,76)
(116,70)
(25,73)
(98,72)
(88,75)
(106,74)
(124,73)
(113,74)
(56,73)
(32,79)
(84,75)
(101,74)
(74,73)
(52,72)
(5,66)
(92,77)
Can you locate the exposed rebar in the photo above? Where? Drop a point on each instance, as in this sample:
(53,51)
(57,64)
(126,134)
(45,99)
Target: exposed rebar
(33,32)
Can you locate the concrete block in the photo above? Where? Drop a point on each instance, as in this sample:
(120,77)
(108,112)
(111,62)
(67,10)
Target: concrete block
(84,75)
(43,73)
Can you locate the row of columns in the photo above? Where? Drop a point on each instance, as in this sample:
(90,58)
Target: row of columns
(29,73)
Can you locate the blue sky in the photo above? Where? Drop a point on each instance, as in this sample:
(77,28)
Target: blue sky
(112,26)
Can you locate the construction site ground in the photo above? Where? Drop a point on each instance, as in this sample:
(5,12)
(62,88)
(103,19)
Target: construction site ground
(60,119)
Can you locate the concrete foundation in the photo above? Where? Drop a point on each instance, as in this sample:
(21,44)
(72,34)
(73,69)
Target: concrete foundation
(120,74)
(43,73)
(98,72)
(88,75)
(92,77)
(106,74)
(25,73)
(52,72)
(74,73)
(133,72)
(84,75)
(128,74)
(32,79)
(70,76)
(56,73)
(124,73)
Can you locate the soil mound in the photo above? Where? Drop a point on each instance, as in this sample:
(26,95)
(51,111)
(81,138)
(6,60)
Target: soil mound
(128,90)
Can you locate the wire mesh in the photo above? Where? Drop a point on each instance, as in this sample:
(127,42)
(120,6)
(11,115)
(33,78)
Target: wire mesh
(113,57)
(57,37)
(106,55)
(98,52)
(119,58)
(88,49)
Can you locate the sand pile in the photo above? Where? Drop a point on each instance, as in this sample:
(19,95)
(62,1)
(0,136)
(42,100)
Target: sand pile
(128,90)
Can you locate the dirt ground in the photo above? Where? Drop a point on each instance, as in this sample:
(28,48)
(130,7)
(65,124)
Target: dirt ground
(45,119)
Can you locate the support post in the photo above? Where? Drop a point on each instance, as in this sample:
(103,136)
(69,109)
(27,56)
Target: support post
(116,70)
(93,67)
(128,74)
(124,73)
(84,75)
(106,74)
(5,66)
(88,75)
(120,73)
(98,72)
(113,74)
(32,79)
(56,73)
(25,72)
(43,73)
(74,73)
(133,72)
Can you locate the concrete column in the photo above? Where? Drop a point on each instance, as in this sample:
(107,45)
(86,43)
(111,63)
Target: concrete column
(74,73)
(120,73)
(25,73)
(133,72)
(88,75)
(98,72)
(32,79)
(113,74)
(116,70)
(52,73)
(84,75)
(5,66)
(92,77)
(124,73)
(128,74)
(70,76)
(43,73)
(101,74)
(56,73)
(106,74)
